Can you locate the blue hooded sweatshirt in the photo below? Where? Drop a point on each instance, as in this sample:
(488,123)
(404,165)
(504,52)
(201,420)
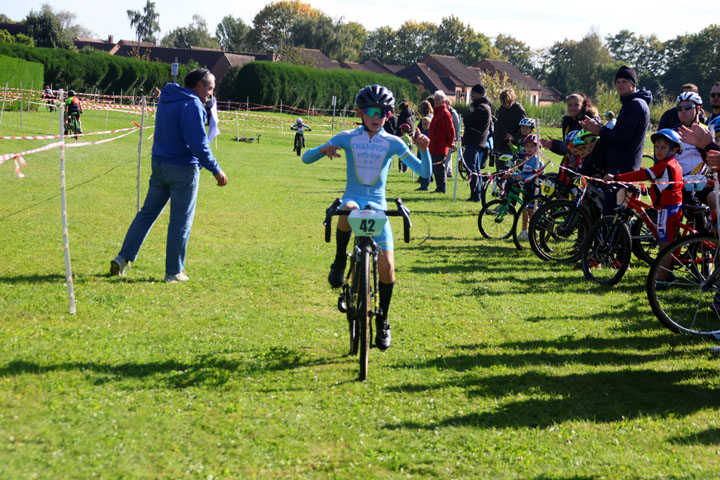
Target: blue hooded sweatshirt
(180,136)
(626,140)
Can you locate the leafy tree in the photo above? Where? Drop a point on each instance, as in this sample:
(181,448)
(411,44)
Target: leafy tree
(414,40)
(693,58)
(233,34)
(579,66)
(644,53)
(272,26)
(380,45)
(350,39)
(313,31)
(46,29)
(146,24)
(196,34)
(23,39)
(516,52)
(6,37)
(456,39)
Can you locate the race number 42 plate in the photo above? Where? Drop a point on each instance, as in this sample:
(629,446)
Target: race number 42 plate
(367,223)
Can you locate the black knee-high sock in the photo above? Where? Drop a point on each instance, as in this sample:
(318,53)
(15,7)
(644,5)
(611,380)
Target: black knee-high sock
(341,241)
(386,290)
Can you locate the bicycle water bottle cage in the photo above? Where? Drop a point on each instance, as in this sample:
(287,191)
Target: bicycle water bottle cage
(694,183)
(367,223)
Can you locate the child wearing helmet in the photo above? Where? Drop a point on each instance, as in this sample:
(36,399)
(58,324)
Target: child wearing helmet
(666,191)
(532,167)
(299,128)
(369,150)
(74,108)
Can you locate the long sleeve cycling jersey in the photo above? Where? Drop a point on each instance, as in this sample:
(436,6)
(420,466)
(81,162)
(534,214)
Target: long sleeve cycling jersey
(368,162)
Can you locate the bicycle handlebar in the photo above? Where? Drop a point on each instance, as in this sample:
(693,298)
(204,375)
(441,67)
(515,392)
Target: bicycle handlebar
(402,211)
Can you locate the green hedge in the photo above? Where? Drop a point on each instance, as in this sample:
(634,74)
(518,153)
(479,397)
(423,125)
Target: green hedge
(268,83)
(90,69)
(16,72)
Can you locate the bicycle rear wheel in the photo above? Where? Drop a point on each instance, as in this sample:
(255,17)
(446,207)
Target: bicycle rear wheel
(606,251)
(557,230)
(495,220)
(682,286)
(350,302)
(363,310)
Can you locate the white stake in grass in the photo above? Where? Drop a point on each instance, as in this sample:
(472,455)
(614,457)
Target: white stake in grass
(63,205)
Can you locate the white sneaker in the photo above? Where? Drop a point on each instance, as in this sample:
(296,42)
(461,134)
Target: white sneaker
(523,235)
(119,266)
(178,277)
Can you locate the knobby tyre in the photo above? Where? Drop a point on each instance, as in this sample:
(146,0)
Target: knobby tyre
(351,309)
(495,220)
(363,310)
(682,288)
(606,251)
(531,206)
(557,230)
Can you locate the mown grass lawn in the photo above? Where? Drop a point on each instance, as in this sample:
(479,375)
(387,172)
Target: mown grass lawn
(502,366)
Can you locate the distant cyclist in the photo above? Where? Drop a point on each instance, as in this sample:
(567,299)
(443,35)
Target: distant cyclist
(73,108)
(299,128)
(369,150)
(49,96)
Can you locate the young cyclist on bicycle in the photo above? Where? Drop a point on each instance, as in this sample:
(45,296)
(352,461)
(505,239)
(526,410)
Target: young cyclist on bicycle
(667,186)
(368,151)
(299,128)
(72,108)
(531,168)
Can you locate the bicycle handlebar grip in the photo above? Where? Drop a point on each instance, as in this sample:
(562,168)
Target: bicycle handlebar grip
(405,212)
(328,219)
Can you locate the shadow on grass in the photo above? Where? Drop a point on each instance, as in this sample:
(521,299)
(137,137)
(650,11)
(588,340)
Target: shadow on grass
(541,399)
(47,278)
(205,370)
(711,436)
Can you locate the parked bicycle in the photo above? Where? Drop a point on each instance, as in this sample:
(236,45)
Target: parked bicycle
(358,297)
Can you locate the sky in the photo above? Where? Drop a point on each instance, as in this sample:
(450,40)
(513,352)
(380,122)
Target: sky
(539,24)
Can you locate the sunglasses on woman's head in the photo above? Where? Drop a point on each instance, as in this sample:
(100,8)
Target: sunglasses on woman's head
(376,112)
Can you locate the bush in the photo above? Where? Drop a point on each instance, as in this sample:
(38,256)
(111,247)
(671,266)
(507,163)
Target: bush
(268,83)
(91,69)
(16,72)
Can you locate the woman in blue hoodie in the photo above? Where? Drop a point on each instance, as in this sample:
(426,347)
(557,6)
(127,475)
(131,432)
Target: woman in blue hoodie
(180,149)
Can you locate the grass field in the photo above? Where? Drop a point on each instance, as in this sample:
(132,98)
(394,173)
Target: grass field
(502,366)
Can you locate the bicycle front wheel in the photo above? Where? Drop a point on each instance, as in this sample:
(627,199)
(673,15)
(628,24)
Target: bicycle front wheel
(557,230)
(364,293)
(606,251)
(495,220)
(682,286)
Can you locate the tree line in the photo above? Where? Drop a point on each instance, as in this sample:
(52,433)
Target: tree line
(586,65)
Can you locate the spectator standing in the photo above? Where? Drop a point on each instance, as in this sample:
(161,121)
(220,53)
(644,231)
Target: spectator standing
(405,115)
(442,137)
(180,148)
(579,108)
(424,129)
(609,119)
(670,118)
(507,126)
(475,137)
(715,101)
(625,142)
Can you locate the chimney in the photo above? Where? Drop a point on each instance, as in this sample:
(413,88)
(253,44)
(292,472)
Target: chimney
(111,39)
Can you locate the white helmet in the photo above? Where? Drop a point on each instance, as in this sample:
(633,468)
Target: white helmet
(689,96)
(527,122)
(299,121)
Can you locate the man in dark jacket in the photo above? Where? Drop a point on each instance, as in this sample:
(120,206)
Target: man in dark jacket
(477,127)
(624,142)
(507,126)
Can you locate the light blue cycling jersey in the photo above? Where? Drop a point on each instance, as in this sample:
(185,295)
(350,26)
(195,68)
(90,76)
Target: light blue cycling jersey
(368,162)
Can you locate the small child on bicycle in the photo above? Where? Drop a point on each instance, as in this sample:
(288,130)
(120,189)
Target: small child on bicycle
(666,191)
(369,150)
(532,167)
(299,128)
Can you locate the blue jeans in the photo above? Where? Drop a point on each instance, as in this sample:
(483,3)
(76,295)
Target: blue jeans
(176,183)
(475,159)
